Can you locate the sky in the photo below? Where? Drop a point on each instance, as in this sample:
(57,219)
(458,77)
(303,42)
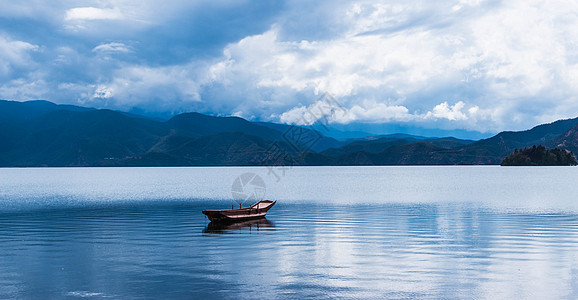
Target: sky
(462,65)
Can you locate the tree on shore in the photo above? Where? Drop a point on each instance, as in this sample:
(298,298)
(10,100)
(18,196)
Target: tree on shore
(540,156)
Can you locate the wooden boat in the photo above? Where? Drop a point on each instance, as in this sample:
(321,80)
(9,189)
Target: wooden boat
(257,210)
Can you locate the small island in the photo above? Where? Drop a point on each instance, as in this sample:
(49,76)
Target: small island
(540,156)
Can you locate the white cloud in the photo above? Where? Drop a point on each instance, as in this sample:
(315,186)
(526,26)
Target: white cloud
(496,58)
(452,113)
(14,54)
(473,64)
(376,112)
(156,88)
(24,89)
(369,111)
(102,92)
(465,3)
(92,13)
(296,115)
(112,47)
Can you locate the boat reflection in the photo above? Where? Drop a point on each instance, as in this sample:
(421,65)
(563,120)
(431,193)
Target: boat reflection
(260,224)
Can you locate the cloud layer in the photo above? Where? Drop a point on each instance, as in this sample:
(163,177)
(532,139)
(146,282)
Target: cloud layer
(466,64)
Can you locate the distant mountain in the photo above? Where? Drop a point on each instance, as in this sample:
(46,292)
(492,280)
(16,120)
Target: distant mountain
(376,144)
(450,151)
(195,124)
(79,138)
(221,149)
(568,140)
(41,133)
(321,142)
(360,129)
(416,153)
(496,148)
(14,111)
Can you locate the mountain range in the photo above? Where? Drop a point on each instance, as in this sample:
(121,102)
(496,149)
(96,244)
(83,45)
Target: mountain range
(41,133)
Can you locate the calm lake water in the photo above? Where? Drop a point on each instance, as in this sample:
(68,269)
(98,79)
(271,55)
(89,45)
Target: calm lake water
(336,232)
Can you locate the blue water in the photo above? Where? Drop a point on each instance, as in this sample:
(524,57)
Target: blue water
(336,232)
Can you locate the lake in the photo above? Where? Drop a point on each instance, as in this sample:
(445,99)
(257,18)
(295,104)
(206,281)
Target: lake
(335,232)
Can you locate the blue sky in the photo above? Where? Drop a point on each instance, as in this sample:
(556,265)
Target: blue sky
(475,65)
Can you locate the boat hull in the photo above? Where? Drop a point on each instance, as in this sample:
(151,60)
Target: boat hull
(256,211)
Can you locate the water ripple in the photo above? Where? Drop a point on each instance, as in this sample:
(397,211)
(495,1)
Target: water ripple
(143,247)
